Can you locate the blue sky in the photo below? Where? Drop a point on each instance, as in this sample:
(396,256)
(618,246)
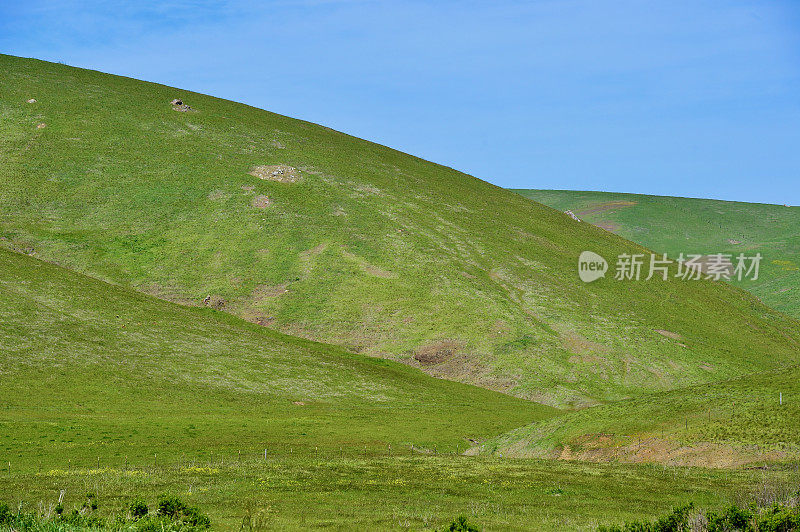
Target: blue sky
(692,98)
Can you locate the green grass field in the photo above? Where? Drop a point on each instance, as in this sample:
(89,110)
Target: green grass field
(422,493)
(167,316)
(674,225)
(109,391)
(369,248)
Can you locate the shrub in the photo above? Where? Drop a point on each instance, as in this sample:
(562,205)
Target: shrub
(170,506)
(734,518)
(460,524)
(196,519)
(138,509)
(778,518)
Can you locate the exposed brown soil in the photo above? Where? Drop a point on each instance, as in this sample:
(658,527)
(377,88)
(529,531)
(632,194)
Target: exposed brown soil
(279,172)
(437,352)
(368,268)
(261,202)
(264,292)
(605,448)
(669,334)
(611,227)
(606,206)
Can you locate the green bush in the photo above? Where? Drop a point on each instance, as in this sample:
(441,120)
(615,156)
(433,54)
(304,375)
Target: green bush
(172,516)
(778,518)
(460,524)
(734,518)
(138,509)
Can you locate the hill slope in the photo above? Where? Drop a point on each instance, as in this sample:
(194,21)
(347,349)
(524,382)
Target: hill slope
(749,419)
(674,225)
(348,242)
(117,373)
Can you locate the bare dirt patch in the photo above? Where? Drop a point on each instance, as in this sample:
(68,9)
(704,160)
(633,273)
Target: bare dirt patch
(605,207)
(669,334)
(261,202)
(437,352)
(264,292)
(279,172)
(368,268)
(607,447)
(611,227)
(578,345)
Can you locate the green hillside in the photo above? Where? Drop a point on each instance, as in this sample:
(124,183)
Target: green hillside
(117,373)
(727,424)
(115,393)
(347,242)
(674,225)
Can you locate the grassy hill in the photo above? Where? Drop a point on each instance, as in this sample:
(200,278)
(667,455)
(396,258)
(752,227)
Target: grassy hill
(117,373)
(318,234)
(675,225)
(112,392)
(727,424)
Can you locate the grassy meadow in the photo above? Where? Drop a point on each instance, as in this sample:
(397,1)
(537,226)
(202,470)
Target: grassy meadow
(400,493)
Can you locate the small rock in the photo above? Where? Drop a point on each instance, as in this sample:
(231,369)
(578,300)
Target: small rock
(41,126)
(31,101)
(177,101)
